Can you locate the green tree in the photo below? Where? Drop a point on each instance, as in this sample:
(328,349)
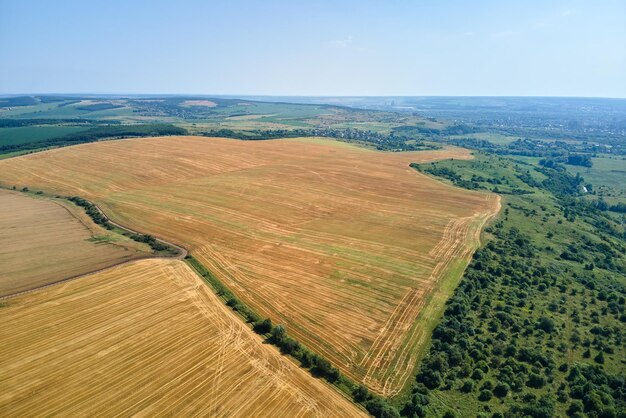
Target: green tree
(263,327)
(501,390)
(361,393)
(278,333)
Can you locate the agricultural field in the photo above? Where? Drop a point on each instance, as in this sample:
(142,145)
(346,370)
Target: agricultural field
(45,240)
(145,338)
(11,136)
(495,138)
(607,174)
(353,250)
(206,103)
(31,123)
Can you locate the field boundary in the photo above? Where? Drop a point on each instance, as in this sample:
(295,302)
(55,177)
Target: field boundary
(313,362)
(460,240)
(182,252)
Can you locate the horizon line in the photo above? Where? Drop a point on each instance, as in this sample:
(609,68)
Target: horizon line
(2,95)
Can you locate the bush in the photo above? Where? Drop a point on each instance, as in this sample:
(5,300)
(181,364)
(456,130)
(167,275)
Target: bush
(381,409)
(468,386)
(546,325)
(288,345)
(488,385)
(417,406)
(501,390)
(575,407)
(420,399)
(278,333)
(306,358)
(542,408)
(599,358)
(263,327)
(323,368)
(361,394)
(478,374)
(430,378)
(485,395)
(536,381)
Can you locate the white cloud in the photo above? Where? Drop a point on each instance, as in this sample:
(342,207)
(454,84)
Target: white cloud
(341,43)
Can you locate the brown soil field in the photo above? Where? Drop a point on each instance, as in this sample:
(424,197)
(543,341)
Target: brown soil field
(43,241)
(352,249)
(146,338)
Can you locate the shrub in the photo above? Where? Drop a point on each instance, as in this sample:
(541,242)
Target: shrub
(575,407)
(288,345)
(278,333)
(546,325)
(323,368)
(381,409)
(536,381)
(468,386)
(485,395)
(263,327)
(599,358)
(501,390)
(488,385)
(306,358)
(361,394)
(478,374)
(420,399)
(431,378)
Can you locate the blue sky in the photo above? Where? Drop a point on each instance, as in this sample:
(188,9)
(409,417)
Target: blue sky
(545,48)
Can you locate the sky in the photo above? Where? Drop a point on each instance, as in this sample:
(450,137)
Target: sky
(315,48)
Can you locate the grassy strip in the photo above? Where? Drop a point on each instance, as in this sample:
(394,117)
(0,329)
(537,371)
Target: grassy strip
(318,366)
(12,154)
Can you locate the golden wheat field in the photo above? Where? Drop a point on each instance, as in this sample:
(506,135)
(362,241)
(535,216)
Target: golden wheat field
(350,248)
(43,241)
(146,338)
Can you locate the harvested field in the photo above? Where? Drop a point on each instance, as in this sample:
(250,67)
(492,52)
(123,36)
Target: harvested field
(43,241)
(350,248)
(204,103)
(146,338)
